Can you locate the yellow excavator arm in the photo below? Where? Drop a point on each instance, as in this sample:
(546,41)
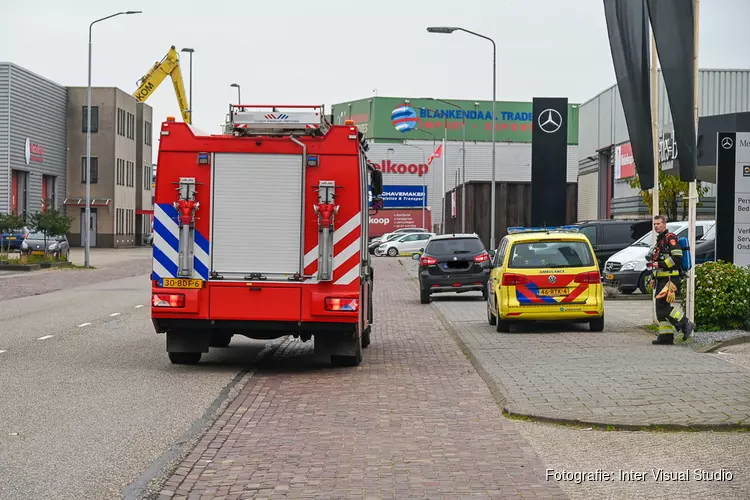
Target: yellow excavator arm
(169,66)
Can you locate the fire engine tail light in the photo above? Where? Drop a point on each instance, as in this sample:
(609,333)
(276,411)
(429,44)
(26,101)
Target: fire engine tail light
(340,304)
(168,300)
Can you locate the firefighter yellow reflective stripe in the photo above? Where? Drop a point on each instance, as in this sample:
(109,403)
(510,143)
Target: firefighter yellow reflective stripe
(666,328)
(668,261)
(677,314)
(662,274)
(676,252)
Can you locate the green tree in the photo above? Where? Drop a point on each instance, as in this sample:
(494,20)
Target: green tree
(673,195)
(50,222)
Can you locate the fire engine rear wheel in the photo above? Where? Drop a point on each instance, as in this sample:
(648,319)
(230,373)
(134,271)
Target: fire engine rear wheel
(393,252)
(355,360)
(220,340)
(366,337)
(185,358)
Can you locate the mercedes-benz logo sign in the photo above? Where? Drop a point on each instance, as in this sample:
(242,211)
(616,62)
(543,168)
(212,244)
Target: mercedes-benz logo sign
(550,121)
(727,143)
(552,278)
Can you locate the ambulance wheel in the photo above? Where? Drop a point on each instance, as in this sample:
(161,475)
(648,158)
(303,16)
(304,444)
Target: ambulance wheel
(185,358)
(597,325)
(491,318)
(393,252)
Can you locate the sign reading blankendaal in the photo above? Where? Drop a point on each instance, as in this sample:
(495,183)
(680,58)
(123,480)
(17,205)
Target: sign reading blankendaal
(733,200)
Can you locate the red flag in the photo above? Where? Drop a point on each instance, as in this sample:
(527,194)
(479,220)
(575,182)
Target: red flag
(437,154)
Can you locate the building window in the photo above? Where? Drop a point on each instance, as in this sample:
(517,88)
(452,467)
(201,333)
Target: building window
(131,126)
(94,170)
(48,191)
(118,172)
(94,119)
(131,174)
(147,133)
(122,123)
(147,178)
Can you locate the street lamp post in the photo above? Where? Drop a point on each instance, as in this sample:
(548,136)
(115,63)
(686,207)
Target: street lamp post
(87,232)
(449,30)
(463,160)
(239,98)
(190,99)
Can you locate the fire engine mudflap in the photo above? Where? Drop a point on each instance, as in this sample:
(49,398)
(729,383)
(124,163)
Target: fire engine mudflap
(262,232)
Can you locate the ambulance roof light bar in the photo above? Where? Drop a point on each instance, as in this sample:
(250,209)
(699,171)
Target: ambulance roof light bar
(521,229)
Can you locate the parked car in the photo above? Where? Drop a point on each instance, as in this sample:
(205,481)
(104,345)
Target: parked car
(453,263)
(13,240)
(404,244)
(383,237)
(626,269)
(609,236)
(705,248)
(39,244)
(545,275)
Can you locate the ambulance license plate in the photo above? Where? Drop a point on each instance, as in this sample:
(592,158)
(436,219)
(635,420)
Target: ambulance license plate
(181,283)
(554,292)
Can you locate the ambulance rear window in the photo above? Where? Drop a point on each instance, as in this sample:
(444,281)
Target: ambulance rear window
(557,254)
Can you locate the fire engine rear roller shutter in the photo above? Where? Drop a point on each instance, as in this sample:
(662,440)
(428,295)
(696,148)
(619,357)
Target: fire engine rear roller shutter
(257,226)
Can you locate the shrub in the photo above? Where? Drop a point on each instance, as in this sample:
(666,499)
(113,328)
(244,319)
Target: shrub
(722,296)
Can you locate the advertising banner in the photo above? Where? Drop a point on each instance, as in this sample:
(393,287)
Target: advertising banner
(387,221)
(627,27)
(624,162)
(733,198)
(672,24)
(403,196)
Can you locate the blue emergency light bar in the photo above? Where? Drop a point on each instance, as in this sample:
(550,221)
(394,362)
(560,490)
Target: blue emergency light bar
(521,229)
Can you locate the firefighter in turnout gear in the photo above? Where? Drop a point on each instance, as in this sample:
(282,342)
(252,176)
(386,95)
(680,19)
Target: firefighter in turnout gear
(666,268)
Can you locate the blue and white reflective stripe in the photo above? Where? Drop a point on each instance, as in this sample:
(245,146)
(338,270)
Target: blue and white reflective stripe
(167,244)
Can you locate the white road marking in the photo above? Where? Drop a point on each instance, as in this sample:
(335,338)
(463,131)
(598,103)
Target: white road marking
(139,306)
(114,314)
(45,337)
(83,324)
(2,351)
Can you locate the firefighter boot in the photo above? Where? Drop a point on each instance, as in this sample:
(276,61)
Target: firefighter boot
(687,330)
(664,339)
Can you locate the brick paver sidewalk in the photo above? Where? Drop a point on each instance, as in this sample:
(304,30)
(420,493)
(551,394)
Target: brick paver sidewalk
(413,421)
(616,377)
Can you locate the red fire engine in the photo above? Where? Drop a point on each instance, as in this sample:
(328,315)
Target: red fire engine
(262,232)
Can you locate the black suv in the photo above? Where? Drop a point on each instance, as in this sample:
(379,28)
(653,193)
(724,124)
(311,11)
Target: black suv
(453,263)
(609,236)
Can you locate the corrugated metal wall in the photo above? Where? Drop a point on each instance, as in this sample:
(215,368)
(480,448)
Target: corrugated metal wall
(513,164)
(587,200)
(38,111)
(513,208)
(4,138)
(602,120)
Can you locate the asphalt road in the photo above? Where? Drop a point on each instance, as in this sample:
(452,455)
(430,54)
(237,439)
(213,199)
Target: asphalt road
(90,406)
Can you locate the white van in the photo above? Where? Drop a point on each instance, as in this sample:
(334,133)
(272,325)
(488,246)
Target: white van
(627,268)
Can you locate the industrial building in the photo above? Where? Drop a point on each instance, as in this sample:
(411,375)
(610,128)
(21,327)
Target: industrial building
(404,132)
(121,152)
(605,162)
(32,141)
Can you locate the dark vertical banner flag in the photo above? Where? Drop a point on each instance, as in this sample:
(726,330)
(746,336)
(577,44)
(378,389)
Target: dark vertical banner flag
(627,26)
(549,161)
(672,24)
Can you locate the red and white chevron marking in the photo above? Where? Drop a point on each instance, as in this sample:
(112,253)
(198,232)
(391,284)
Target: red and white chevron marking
(347,248)
(312,126)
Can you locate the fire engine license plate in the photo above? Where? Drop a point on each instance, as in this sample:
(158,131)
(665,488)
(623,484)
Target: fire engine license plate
(610,277)
(554,292)
(181,283)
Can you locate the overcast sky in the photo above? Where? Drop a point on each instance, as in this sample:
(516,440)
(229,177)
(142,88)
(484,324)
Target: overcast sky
(325,51)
